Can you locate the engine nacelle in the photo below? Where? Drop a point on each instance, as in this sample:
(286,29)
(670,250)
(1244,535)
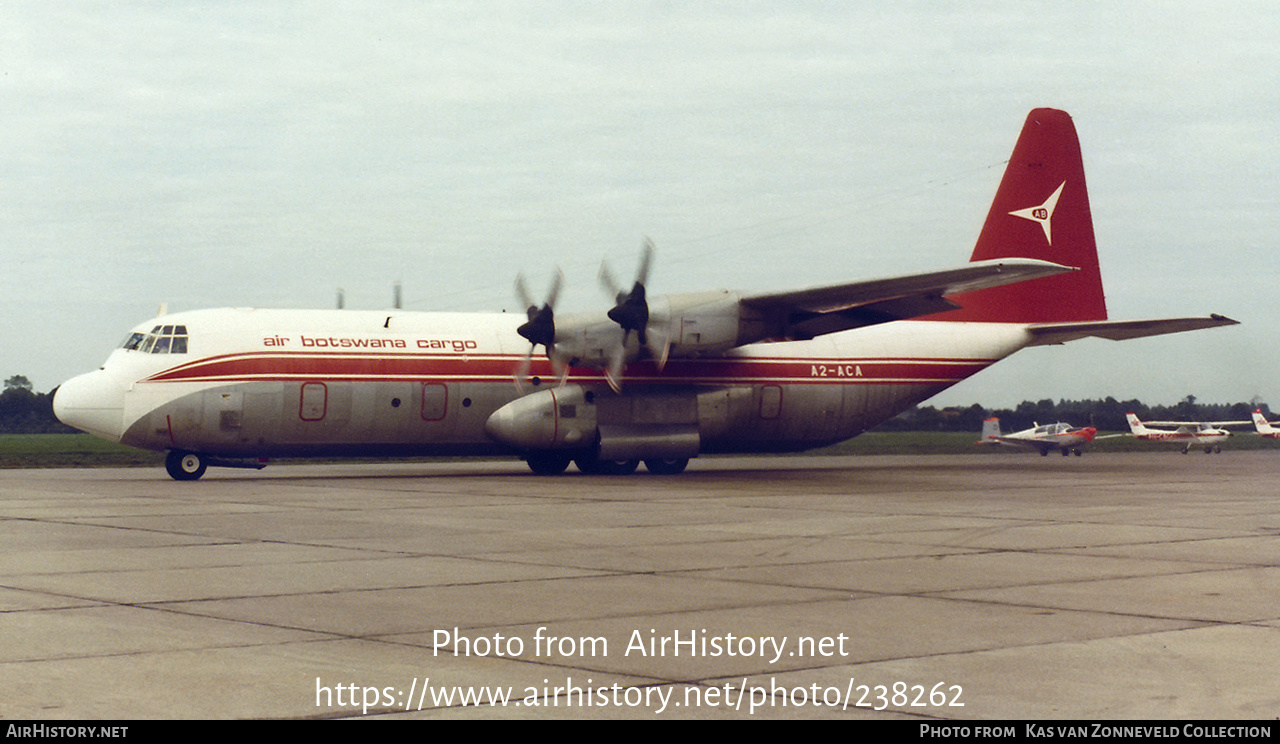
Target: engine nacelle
(616,427)
(705,323)
(558,418)
(689,325)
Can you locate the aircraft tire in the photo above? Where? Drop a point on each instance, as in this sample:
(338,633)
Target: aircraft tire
(547,463)
(185,466)
(667,466)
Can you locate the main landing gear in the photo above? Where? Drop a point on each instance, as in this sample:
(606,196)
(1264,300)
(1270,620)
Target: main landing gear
(555,463)
(1209,449)
(185,466)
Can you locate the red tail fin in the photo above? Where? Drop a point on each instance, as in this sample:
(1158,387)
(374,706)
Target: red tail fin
(1040,211)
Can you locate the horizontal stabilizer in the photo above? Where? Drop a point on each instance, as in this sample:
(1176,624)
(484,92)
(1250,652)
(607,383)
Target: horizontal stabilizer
(1119,330)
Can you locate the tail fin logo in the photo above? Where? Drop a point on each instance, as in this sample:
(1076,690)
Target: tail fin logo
(1042,213)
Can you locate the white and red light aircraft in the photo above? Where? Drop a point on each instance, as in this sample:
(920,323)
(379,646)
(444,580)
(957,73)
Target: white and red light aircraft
(1264,427)
(660,380)
(1041,437)
(1206,434)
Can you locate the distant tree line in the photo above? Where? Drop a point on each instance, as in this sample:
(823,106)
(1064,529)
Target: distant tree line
(24,411)
(1107,414)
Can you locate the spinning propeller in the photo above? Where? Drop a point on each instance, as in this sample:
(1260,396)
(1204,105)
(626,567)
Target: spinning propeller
(540,328)
(631,313)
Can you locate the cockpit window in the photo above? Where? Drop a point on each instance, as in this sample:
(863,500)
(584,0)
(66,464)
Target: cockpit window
(169,339)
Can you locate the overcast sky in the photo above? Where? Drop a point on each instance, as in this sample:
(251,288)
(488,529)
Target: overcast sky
(268,153)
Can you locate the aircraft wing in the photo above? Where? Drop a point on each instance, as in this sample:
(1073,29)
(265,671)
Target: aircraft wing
(1198,423)
(812,312)
(1119,330)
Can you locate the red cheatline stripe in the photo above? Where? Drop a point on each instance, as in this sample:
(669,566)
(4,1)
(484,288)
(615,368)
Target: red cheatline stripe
(481,368)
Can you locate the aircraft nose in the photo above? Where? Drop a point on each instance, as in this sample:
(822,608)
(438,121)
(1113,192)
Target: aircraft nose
(92,402)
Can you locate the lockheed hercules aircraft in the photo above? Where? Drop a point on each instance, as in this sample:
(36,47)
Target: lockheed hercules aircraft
(658,379)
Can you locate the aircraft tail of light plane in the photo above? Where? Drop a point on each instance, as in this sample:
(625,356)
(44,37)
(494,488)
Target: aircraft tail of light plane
(658,379)
(1264,427)
(1209,435)
(1043,438)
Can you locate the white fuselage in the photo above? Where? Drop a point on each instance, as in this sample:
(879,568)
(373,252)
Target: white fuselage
(1048,436)
(268,383)
(1201,435)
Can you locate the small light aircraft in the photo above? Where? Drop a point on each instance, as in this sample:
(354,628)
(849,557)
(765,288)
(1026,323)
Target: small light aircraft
(1043,438)
(1206,434)
(658,379)
(1264,427)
